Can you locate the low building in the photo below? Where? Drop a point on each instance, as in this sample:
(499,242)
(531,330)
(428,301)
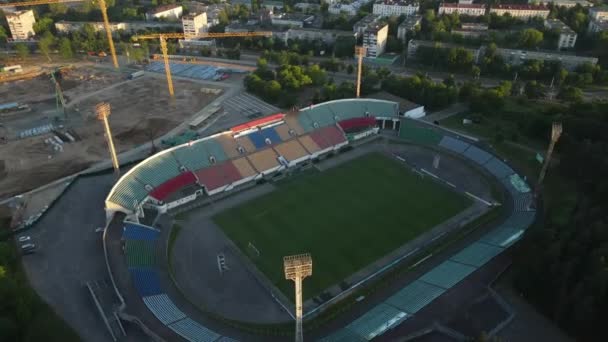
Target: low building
(521,11)
(474,10)
(349,9)
(598,13)
(409,24)
(568,61)
(387,8)
(562,3)
(567,36)
(597,26)
(327,36)
(169,12)
(21,24)
(292,19)
(374,39)
(194,24)
(360,26)
(414,45)
(472,30)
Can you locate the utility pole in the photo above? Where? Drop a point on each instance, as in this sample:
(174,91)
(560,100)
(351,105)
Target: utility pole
(103,111)
(360,52)
(556,132)
(298,267)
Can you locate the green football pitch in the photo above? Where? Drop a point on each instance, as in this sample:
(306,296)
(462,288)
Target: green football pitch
(345,217)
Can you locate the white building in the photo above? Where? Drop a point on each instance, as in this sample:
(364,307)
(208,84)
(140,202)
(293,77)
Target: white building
(387,8)
(21,24)
(169,12)
(194,24)
(374,39)
(360,26)
(597,26)
(349,9)
(292,20)
(474,10)
(328,36)
(562,3)
(521,11)
(598,13)
(567,36)
(409,24)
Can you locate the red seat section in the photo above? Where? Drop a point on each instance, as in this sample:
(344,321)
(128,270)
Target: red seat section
(355,124)
(327,136)
(219,175)
(167,188)
(259,122)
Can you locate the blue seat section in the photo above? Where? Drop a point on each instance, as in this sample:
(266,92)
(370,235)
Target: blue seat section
(477,254)
(146,281)
(192,331)
(477,155)
(377,321)
(498,168)
(136,231)
(129,193)
(454,145)
(156,170)
(447,274)
(163,308)
(415,296)
(343,335)
(523,201)
(257,139)
(270,133)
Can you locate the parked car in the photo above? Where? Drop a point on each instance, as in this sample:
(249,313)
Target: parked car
(25,238)
(28,248)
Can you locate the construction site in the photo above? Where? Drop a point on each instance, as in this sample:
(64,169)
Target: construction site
(48,126)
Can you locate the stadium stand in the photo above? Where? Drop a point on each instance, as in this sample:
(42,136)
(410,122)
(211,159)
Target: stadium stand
(128,193)
(190,329)
(321,114)
(477,155)
(146,281)
(246,144)
(292,121)
(163,191)
(159,170)
(136,231)
(244,167)
(421,135)
(498,168)
(376,321)
(228,144)
(476,254)
(215,149)
(291,150)
(264,137)
(261,122)
(309,144)
(283,132)
(447,274)
(356,124)
(163,308)
(523,201)
(415,296)
(264,161)
(453,145)
(218,176)
(328,137)
(139,253)
(192,155)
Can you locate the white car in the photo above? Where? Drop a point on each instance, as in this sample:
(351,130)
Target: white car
(25,238)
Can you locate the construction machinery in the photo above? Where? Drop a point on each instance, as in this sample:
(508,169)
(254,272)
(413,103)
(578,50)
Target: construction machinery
(102,7)
(162,37)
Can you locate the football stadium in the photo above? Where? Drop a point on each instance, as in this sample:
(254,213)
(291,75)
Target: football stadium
(196,233)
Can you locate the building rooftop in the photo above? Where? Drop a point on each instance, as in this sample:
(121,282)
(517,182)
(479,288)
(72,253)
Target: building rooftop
(411,21)
(373,28)
(603,8)
(556,24)
(191,16)
(451,5)
(368,19)
(163,8)
(521,7)
(16,13)
(398,2)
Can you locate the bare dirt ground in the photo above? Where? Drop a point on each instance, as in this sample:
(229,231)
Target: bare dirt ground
(141,111)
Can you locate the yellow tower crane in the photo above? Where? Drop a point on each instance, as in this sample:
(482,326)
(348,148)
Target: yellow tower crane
(102,7)
(162,37)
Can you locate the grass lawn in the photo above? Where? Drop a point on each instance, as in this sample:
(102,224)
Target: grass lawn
(346,217)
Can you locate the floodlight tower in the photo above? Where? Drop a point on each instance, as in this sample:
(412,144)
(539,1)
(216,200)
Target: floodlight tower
(297,267)
(103,111)
(556,132)
(360,53)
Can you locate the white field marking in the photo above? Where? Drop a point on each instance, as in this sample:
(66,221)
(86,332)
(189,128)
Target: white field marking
(450,184)
(421,260)
(479,199)
(429,173)
(438,236)
(403,160)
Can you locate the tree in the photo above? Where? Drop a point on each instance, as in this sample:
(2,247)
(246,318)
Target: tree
(272,90)
(43,25)
(317,75)
(65,48)
(530,38)
(45,43)
(569,93)
(350,69)
(3,35)
(22,50)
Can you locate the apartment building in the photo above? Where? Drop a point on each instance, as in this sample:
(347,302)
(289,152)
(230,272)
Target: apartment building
(387,8)
(21,24)
(567,36)
(374,39)
(194,24)
(474,10)
(521,11)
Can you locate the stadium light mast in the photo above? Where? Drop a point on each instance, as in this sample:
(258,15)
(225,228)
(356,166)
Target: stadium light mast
(360,52)
(556,132)
(103,111)
(297,267)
